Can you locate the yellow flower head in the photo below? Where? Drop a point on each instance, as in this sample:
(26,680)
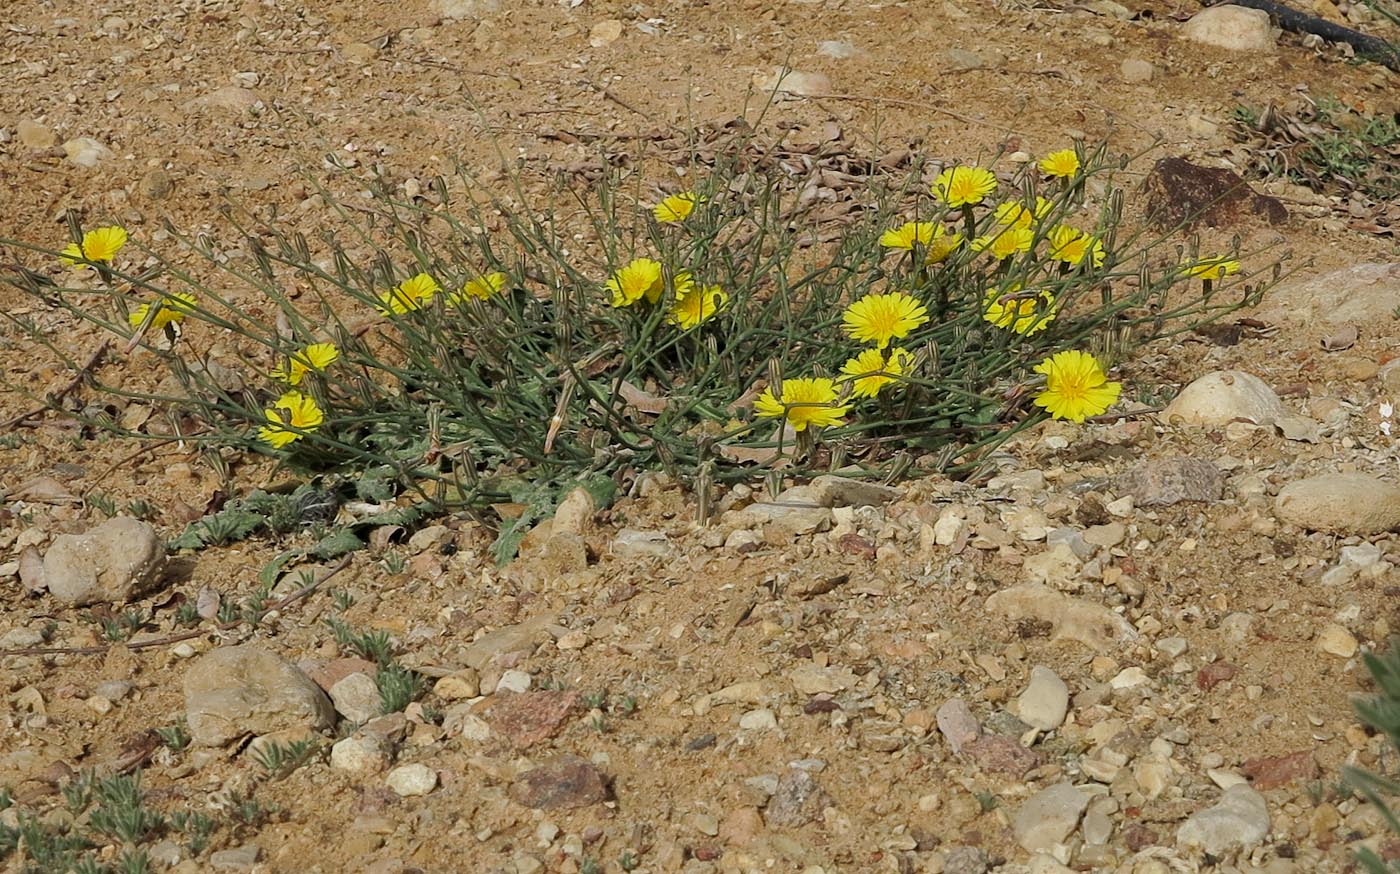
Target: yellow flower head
(409,295)
(1072,245)
(1006,242)
(959,186)
(805,402)
(1218,267)
(872,370)
(942,245)
(1021,215)
(291,414)
(1075,386)
(908,234)
(479,288)
(1024,315)
(99,244)
(171,309)
(880,318)
(1064,163)
(317,356)
(641,278)
(676,208)
(696,306)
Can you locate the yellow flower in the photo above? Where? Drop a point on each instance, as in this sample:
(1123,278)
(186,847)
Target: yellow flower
(291,414)
(943,245)
(880,318)
(805,402)
(317,356)
(641,278)
(409,295)
(676,208)
(480,288)
(1217,267)
(1006,242)
(1012,213)
(1075,386)
(958,186)
(168,310)
(871,370)
(908,234)
(1024,315)
(1071,245)
(99,244)
(696,306)
(1064,163)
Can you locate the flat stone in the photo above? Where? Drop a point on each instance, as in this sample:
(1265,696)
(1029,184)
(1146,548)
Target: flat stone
(1180,194)
(113,563)
(1049,817)
(1236,28)
(1045,701)
(1334,639)
(412,780)
(235,691)
(1167,481)
(87,152)
(33,135)
(1135,71)
(1092,625)
(530,718)
(521,638)
(1345,503)
(1002,755)
(798,800)
(957,724)
(465,9)
(1362,294)
(1239,820)
(235,859)
(563,783)
(1271,772)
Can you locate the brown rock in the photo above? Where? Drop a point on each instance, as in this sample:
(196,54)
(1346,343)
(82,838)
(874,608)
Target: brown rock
(562,783)
(1168,481)
(528,718)
(741,826)
(1002,755)
(1271,772)
(798,801)
(1213,674)
(1181,195)
(329,673)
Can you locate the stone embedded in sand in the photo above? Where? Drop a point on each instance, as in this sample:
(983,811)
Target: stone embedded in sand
(799,800)
(412,780)
(1362,294)
(116,562)
(465,9)
(1166,481)
(560,784)
(1236,28)
(1345,503)
(1239,820)
(1093,625)
(235,691)
(1225,396)
(1180,194)
(1049,816)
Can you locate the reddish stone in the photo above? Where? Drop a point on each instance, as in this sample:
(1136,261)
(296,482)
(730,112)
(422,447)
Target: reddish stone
(799,800)
(1139,837)
(1215,673)
(564,782)
(329,673)
(858,546)
(1271,772)
(1181,194)
(1002,755)
(706,852)
(528,718)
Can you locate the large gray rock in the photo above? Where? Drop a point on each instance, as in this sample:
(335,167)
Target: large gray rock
(1231,27)
(116,562)
(235,691)
(1347,503)
(1239,820)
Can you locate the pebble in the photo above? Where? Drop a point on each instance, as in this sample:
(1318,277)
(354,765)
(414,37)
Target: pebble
(514,681)
(465,9)
(464,684)
(358,754)
(1057,567)
(1335,639)
(114,563)
(1361,294)
(1105,536)
(413,779)
(234,691)
(1045,701)
(1240,819)
(87,152)
(1345,503)
(793,82)
(33,135)
(1222,397)
(1231,27)
(798,800)
(758,720)
(966,860)
(236,859)
(530,718)
(631,544)
(1049,817)
(839,50)
(957,724)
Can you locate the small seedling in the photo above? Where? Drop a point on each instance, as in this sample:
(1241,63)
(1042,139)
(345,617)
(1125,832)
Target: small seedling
(7,799)
(628,706)
(248,811)
(590,866)
(120,812)
(104,504)
(175,737)
(140,508)
(372,645)
(988,801)
(187,614)
(228,612)
(394,563)
(280,759)
(600,724)
(342,600)
(197,827)
(595,700)
(77,793)
(398,686)
(628,861)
